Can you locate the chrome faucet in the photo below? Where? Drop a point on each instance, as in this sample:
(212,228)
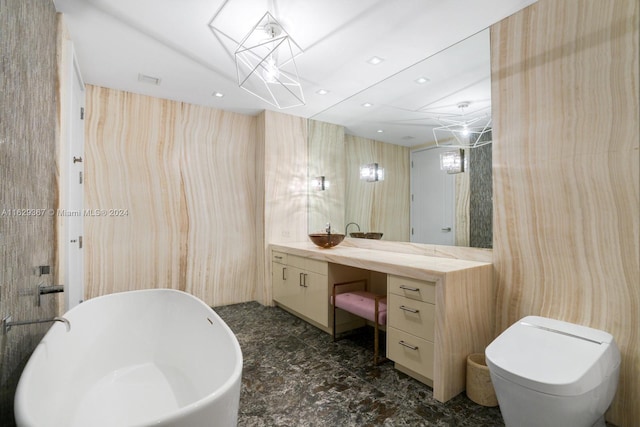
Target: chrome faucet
(63,320)
(45,290)
(7,324)
(328,228)
(347,227)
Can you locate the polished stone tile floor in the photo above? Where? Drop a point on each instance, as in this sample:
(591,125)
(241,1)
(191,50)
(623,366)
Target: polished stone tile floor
(294,375)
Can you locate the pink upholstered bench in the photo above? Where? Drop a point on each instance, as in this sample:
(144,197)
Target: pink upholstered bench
(363,304)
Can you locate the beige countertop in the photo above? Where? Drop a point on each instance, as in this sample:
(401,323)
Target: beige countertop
(403,264)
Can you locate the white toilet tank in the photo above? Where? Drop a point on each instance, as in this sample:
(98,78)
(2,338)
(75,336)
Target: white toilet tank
(548,372)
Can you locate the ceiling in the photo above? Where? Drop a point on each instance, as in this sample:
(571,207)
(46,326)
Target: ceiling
(118,40)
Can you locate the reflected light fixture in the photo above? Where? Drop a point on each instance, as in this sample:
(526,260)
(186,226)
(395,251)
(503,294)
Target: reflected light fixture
(452,161)
(320,183)
(466,133)
(371,172)
(266,66)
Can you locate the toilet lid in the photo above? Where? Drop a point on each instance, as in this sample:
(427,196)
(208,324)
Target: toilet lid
(552,356)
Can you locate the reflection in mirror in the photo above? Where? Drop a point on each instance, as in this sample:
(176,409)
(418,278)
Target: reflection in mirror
(397,133)
(326,158)
(382,206)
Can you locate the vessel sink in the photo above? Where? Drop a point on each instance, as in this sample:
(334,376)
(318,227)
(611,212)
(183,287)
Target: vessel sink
(373,235)
(325,240)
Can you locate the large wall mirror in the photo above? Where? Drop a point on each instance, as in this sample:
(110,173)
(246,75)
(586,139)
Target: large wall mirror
(392,124)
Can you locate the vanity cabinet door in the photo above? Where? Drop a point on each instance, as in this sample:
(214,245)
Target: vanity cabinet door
(280,281)
(315,299)
(279,277)
(300,284)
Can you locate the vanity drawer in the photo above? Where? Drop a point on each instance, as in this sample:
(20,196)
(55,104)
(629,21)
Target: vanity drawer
(412,288)
(412,316)
(311,265)
(409,351)
(279,257)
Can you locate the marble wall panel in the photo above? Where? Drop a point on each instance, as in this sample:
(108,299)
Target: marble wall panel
(327,158)
(285,185)
(566,173)
(381,206)
(28,195)
(217,165)
(133,163)
(185,176)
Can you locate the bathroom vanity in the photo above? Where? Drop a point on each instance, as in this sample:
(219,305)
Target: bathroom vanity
(439,309)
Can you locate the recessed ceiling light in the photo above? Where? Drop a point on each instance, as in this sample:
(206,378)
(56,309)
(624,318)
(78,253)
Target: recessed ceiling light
(375,60)
(218,94)
(422,80)
(367,105)
(380,130)
(322,92)
(149,79)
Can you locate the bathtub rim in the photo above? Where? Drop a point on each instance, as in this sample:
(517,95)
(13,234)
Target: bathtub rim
(235,377)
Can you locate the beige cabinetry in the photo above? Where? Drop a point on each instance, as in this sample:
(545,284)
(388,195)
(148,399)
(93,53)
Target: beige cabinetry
(410,325)
(434,325)
(439,310)
(300,285)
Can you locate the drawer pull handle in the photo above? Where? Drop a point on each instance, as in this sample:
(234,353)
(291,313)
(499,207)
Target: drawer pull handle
(409,346)
(409,309)
(278,257)
(409,288)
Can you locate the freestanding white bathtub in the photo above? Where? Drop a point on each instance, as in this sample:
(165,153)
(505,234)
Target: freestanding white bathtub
(157,357)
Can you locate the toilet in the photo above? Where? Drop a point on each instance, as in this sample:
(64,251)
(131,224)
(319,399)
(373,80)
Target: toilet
(550,373)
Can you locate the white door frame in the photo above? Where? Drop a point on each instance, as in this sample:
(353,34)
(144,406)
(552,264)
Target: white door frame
(72,178)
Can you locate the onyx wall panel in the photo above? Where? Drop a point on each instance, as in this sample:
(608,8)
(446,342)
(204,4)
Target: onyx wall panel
(566,173)
(185,176)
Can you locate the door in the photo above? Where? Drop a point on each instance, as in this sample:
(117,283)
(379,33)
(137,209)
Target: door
(432,199)
(74,221)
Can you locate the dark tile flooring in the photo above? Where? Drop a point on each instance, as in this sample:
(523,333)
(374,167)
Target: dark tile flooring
(294,375)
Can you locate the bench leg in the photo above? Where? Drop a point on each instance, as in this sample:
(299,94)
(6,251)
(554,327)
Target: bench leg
(376,337)
(333,301)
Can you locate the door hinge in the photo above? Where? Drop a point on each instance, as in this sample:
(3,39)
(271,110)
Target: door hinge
(81,113)
(80,173)
(79,242)
(412,231)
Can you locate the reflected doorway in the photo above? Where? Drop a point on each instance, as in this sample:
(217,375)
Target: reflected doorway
(432,199)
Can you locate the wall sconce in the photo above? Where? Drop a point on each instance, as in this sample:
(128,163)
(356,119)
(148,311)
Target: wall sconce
(452,161)
(371,172)
(320,183)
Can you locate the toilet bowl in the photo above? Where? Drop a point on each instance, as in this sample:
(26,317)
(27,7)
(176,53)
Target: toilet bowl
(549,373)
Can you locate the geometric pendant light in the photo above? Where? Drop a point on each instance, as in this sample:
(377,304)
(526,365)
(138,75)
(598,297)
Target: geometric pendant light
(466,133)
(266,66)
